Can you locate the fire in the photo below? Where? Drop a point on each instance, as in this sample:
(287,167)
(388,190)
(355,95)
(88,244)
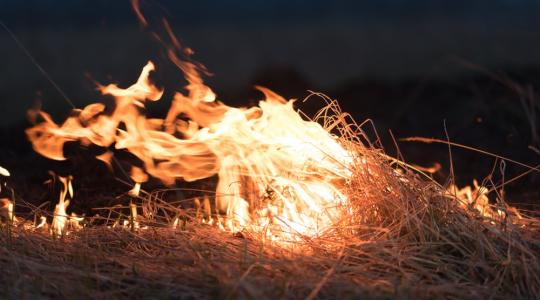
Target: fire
(61,220)
(4,172)
(476,197)
(278,173)
(6,210)
(6,204)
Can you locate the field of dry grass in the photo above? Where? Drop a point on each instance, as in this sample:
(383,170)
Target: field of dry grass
(399,234)
(402,237)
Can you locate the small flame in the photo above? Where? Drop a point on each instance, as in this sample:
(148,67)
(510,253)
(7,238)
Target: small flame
(6,210)
(42,222)
(6,204)
(61,220)
(74,221)
(174,224)
(4,172)
(477,198)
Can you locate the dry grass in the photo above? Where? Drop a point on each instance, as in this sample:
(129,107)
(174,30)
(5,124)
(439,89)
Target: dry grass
(416,246)
(401,236)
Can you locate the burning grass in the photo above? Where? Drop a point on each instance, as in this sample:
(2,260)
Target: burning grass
(399,236)
(302,209)
(417,246)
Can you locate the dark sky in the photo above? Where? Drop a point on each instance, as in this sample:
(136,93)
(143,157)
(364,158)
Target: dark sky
(327,43)
(41,13)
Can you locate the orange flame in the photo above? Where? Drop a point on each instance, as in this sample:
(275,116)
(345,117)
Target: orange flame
(6,210)
(61,220)
(278,173)
(476,197)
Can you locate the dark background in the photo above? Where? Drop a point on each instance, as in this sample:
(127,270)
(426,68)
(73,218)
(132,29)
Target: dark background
(407,64)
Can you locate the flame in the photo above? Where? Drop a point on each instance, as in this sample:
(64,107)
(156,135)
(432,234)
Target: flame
(42,222)
(4,172)
(278,173)
(476,197)
(6,210)
(61,220)
(6,204)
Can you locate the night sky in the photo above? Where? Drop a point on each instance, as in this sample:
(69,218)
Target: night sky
(409,65)
(325,43)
